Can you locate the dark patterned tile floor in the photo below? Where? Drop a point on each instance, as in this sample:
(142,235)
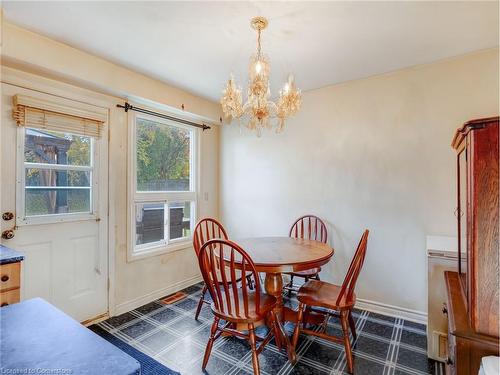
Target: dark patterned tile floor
(169,334)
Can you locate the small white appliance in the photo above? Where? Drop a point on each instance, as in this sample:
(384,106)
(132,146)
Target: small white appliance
(490,366)
(441,256)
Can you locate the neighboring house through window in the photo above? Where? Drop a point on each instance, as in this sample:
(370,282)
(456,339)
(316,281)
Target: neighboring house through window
(58,173)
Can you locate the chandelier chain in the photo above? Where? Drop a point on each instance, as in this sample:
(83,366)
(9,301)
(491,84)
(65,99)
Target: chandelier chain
(258,44)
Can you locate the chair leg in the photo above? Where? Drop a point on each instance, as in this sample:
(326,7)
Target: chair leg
(352,325)
(200,304)
(276,329)
(290,285)
(317,277)
(324,326)
(250,282)
(210,343)
(347,343)
(307,311)
(255,358)
(296,332)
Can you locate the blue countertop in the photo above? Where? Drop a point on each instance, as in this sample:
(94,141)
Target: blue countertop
(38,337)
(9,256)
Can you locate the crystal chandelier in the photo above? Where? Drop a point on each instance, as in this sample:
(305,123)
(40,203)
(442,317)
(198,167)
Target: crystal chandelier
(259,110)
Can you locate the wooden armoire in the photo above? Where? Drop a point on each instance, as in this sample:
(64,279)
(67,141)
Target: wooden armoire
(473,291)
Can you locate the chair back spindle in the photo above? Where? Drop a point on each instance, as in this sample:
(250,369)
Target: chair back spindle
(351,277)
(219,258)
(309,227)
(206,230)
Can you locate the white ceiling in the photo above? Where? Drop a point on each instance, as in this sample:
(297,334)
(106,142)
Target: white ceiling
(196,45)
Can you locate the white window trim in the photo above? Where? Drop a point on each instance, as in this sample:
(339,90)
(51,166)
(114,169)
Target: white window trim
(161,247)
(22,219)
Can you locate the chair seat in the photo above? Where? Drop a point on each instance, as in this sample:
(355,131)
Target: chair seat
(323,294)
(306,273)
(267,302)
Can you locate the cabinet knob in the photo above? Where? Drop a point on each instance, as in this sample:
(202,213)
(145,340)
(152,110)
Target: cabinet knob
(445,310)
(5,278)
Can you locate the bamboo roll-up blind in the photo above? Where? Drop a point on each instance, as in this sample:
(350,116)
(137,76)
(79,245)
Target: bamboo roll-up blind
(41,118)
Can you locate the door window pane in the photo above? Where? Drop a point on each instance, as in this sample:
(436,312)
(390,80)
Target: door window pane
(62,181)
(180,219)
(50,201)
(149,223)
(49,147)
(163,156)
(56,177)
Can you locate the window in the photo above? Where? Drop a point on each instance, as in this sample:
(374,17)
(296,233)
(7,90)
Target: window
(57,150)
(57,174)
(163,188)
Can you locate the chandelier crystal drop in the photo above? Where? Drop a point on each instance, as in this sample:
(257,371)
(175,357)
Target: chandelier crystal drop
(260,111)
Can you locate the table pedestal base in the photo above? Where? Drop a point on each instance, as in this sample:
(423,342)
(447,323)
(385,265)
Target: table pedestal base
(274,286)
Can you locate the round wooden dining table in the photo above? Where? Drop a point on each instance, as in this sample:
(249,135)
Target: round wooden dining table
(276,255)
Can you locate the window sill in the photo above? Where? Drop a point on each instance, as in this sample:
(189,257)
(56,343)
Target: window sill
(133,256)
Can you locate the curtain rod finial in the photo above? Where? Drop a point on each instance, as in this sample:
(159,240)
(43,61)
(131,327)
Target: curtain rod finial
(126,107)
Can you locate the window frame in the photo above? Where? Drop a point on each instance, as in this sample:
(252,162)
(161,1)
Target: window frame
(136,252)
(21,218)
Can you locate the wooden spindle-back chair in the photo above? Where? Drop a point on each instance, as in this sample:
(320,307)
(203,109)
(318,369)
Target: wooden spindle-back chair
(342,298)
(206,230)
(349,284)
(233,303)
(309,227)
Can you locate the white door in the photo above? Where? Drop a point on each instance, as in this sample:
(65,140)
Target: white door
(55,183)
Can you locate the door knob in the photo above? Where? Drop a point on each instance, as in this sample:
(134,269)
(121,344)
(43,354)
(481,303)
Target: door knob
(8,234)
(7,216)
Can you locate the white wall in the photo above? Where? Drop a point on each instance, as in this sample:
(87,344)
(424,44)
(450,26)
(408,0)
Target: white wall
(141,281)
(373,153)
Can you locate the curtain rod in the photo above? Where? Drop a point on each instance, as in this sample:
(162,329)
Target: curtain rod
(127,107)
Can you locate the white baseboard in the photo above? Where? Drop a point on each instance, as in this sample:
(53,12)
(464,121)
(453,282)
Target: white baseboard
(154,295)
(373,306)
(395,311)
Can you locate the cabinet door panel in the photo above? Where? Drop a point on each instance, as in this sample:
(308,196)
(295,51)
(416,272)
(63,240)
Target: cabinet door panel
(484,299)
